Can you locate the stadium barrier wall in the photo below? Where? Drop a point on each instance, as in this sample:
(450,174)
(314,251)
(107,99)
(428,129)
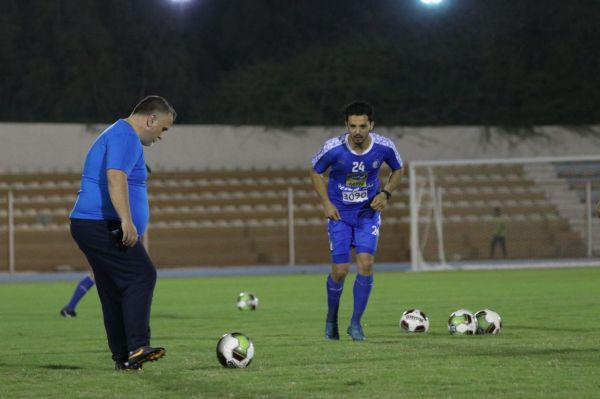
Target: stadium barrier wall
(30,146)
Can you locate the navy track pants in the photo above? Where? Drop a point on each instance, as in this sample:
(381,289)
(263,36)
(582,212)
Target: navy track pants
(125,279)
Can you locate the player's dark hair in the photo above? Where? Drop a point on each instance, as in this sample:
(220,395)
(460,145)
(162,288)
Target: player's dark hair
(152,104)
(359,108)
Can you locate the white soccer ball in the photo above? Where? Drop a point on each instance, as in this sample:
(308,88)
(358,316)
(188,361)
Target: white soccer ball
(414,320)
(247,301)
(488,322)
(462,322)
(235,350)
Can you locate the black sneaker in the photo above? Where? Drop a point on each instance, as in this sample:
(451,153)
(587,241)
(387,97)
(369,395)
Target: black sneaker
(120,366)
(143,355)
(66,312)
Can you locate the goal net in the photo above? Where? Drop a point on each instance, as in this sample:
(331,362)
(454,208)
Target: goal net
(504,212)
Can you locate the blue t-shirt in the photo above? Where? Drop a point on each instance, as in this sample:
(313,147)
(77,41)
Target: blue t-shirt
(354,178)
(118,147)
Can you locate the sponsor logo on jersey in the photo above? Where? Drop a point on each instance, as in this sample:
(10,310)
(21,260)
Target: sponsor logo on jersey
(358,179)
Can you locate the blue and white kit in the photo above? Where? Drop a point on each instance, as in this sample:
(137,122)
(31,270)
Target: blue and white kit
(353,183)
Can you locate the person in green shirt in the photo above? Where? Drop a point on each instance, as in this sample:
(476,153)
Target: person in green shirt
(499,233)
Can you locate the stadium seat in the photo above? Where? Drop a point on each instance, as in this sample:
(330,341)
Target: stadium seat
(244,212)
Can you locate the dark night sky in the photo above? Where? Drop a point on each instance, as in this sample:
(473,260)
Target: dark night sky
(284,62)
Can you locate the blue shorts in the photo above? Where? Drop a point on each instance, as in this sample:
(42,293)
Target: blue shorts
(354,230)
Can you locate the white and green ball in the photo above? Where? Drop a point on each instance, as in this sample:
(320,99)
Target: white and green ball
(235,350)
(247,301)
(414,320)
(488,322)
(462,322)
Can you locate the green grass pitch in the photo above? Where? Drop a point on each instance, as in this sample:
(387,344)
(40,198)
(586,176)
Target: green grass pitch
(549,347)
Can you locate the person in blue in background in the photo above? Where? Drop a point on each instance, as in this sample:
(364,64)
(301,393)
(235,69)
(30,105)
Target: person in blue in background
(352,201)
(111,212)
(83,286)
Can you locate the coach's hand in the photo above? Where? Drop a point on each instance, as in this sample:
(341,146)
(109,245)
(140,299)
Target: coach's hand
(130,234)
(331,212)
(379,202)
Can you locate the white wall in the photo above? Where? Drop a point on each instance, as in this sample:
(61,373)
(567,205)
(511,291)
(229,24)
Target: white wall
(26,146)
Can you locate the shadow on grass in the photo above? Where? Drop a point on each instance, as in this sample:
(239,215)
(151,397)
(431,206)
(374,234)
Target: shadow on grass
(556,329)
(60,367)
(515,352)
(171,316)
(509,351)
(354,383)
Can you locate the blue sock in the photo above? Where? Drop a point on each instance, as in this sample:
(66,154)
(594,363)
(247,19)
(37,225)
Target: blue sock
(84,285)
(362,289)
(334,292)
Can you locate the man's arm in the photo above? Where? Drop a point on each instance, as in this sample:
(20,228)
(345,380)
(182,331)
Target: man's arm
(331,212)
(380,201)
(119,196)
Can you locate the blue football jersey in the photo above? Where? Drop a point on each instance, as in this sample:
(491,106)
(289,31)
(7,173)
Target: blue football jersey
(118,147)
(354,178)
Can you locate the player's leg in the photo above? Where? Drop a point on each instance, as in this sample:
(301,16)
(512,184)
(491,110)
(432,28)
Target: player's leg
(365,240)
(110,300)
(362,285)
(103,252)
(126,295)
(340,238)
(503,246)
(335,286)
(138,288)
(82,288)
(108,293)
(136,275)
(492,247)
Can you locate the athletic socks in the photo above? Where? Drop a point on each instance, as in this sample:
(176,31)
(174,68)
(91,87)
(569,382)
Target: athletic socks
(334,292)
(84,285)
(362,289)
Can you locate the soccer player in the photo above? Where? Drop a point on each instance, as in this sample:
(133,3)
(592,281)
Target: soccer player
(110,214)
(353,201)
(82,288)
(499,233)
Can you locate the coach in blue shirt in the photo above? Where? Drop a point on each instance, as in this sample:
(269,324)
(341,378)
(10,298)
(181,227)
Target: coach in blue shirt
(110,214)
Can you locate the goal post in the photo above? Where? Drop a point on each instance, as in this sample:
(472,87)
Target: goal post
(422,189)
(540,210)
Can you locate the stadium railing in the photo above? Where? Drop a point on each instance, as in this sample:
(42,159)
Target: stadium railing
(214,218)
(198,218)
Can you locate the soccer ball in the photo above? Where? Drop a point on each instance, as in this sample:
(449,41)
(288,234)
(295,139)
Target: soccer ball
(414,320)
(488,322)
(235,350)
(462,322)
(247,301)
